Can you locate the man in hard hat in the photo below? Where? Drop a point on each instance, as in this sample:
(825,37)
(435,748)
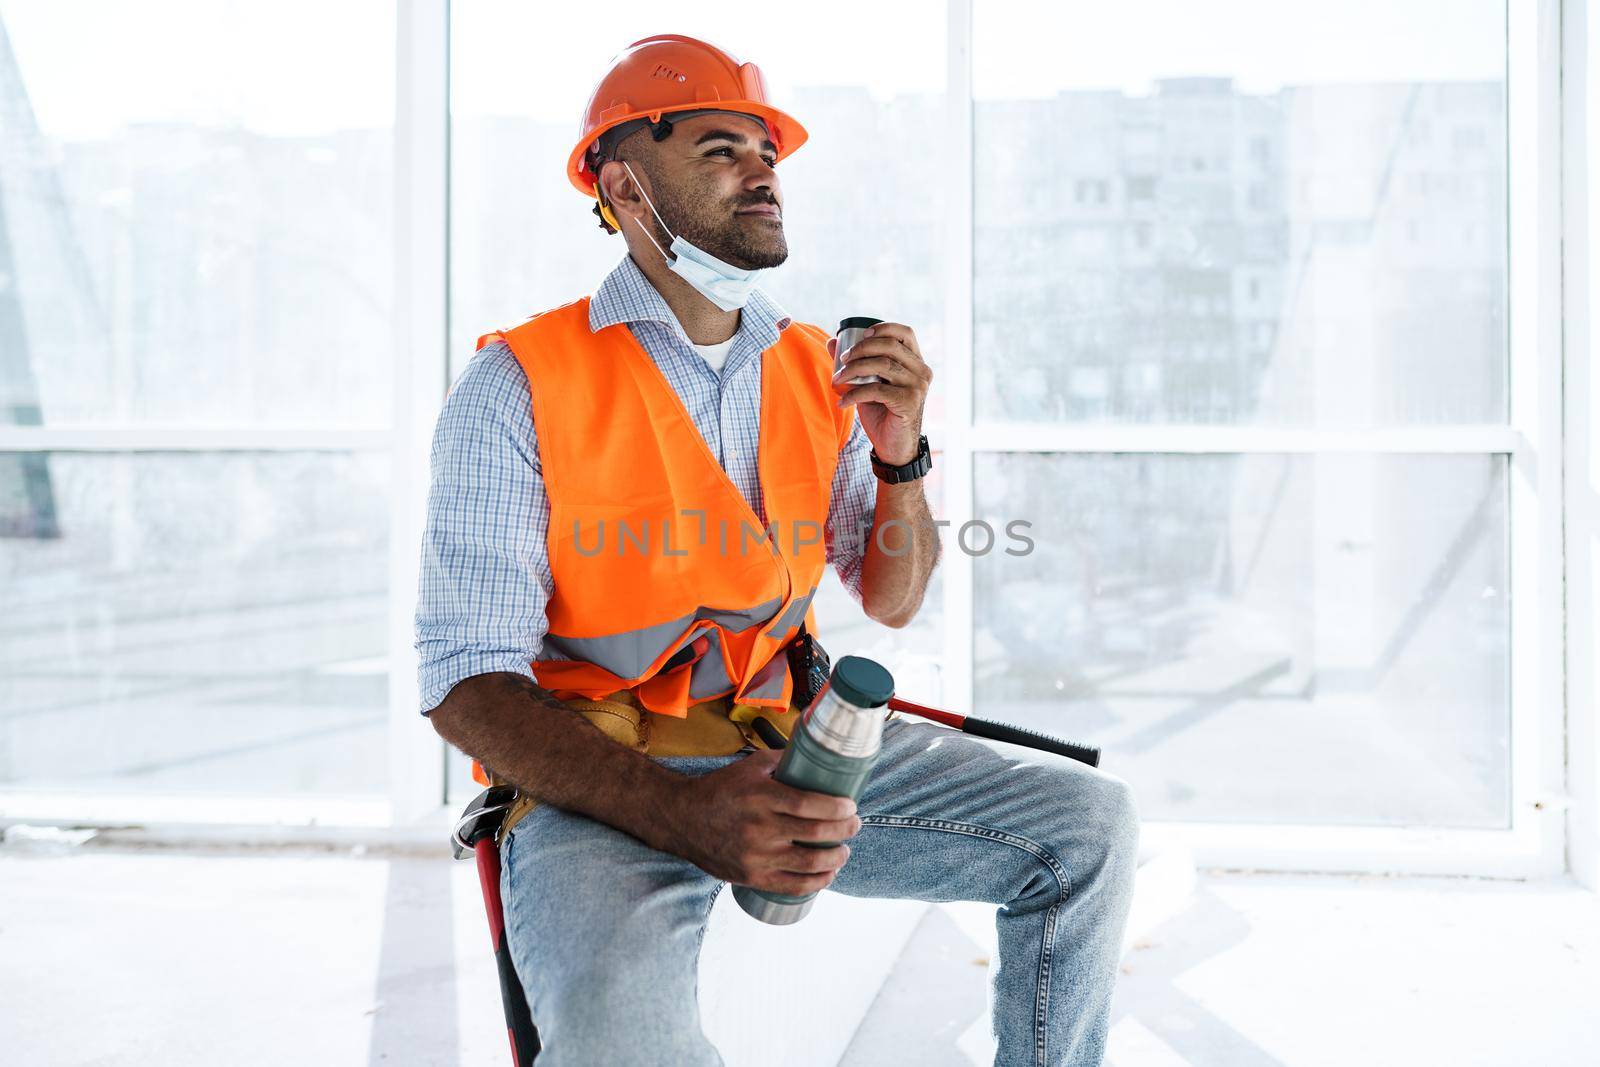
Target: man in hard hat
(634,498)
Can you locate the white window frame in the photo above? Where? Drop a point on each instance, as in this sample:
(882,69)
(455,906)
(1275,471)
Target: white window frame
(1552,710)
(417,755)
(1579,129)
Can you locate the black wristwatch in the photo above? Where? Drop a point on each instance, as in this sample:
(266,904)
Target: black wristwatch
(908,472)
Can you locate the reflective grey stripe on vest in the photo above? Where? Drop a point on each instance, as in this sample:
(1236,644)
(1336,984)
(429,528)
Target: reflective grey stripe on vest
(630,653)
(794,616)
(768,682)
(709,675)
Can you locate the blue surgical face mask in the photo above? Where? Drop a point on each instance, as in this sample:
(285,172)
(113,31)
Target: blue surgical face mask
(723,284)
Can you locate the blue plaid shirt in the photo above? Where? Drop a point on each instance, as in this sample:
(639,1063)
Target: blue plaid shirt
(485,578)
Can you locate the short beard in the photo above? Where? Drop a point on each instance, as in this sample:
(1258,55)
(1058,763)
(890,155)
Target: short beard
(730,243)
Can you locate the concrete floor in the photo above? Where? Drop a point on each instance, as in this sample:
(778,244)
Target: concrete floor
(126,956)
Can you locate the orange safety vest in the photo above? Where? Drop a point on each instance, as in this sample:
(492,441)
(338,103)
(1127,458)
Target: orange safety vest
(656,556)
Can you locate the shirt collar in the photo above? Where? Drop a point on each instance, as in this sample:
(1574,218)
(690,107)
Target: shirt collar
(626,295)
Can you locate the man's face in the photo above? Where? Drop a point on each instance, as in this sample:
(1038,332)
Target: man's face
(713,182)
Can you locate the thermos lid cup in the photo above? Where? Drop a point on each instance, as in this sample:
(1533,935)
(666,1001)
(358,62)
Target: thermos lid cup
(863,682)
(857,322)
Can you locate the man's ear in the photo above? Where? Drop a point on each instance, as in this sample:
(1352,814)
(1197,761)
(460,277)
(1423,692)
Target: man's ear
(621,192)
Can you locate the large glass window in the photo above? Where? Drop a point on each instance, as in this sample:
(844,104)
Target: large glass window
(1263,217)
(195,261)
(1234,342)
(1267,638)
(209,244)
(1173,228)
(212,622)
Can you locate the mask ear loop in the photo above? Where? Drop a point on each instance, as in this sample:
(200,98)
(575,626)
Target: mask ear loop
(653,211)
(603,209)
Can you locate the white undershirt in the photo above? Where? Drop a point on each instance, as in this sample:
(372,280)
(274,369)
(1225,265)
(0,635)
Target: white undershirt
(716,354)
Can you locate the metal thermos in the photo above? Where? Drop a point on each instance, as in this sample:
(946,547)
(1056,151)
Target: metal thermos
(832,750)
(850,331)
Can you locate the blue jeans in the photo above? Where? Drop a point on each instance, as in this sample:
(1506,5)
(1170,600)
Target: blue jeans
(604,928)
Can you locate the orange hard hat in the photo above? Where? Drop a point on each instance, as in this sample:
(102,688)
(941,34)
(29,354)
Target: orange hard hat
(667,73)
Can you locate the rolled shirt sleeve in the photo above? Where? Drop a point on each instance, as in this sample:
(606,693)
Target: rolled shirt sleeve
(850,509)
(485,574)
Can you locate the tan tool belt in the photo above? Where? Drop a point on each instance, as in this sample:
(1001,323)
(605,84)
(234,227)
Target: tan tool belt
(716,727)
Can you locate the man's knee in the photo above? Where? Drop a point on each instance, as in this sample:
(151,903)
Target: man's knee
(1118,815)
(1098,823)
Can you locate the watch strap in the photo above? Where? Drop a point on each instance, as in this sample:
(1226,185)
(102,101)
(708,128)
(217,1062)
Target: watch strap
(919,466)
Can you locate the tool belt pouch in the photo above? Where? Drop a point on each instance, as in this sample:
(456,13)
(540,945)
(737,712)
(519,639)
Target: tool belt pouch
(716,727)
